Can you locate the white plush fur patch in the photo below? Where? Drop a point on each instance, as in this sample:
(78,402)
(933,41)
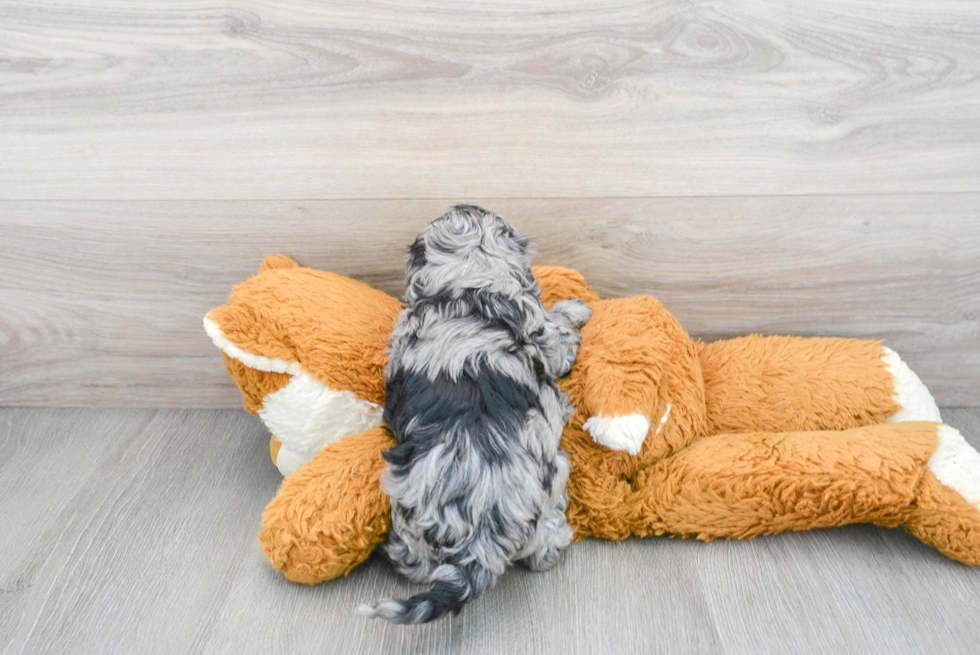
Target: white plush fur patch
(916,401)
(288,462)
(619,432)
(306,414)
(957,465)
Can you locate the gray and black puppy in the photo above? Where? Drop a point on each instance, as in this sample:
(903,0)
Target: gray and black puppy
(476,480)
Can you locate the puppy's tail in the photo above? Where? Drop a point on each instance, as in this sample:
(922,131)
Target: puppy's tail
(452,587)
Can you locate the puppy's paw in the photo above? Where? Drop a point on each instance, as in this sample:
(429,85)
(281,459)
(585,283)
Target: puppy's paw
(576,311)
(560,338)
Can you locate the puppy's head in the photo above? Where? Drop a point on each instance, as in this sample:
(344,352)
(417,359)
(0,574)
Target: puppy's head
(469,249)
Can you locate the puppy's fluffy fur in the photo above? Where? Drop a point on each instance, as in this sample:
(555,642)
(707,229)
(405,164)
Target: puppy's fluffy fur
(476,479)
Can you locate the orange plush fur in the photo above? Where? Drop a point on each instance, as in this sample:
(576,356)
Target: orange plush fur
(748,436)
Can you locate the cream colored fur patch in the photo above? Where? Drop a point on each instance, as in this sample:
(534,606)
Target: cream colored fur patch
(288,462)
(619,432)
(956,464)
(305,415)
(916,401)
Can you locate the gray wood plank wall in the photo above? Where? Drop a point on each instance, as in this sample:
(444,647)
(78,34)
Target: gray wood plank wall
(311,99)
(786,168)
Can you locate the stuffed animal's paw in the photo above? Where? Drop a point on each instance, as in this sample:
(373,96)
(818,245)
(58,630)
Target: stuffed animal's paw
(622,432)
(619,432)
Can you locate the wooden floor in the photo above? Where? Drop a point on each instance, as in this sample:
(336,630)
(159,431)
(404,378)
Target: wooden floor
(133,531)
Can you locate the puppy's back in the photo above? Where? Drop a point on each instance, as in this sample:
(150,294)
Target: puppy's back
(476,420)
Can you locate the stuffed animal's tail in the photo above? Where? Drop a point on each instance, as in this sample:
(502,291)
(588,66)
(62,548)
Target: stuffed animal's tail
(452,587)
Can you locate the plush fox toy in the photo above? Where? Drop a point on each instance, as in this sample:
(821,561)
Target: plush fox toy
(736,438)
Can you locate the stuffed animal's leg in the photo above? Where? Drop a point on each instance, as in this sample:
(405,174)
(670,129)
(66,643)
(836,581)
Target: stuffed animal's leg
(793,383)
(331,514)
(638,368)
(923,476)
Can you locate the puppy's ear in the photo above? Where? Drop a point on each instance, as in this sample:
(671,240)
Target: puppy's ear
(524,242)
(416,257)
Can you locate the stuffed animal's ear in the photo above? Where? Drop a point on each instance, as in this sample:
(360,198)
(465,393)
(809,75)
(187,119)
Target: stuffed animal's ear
(277,261)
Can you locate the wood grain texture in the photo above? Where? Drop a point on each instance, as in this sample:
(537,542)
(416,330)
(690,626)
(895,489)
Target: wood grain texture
(104,99)
(134,532)
(101,302)
(142,555)
(46,459)
(847,589)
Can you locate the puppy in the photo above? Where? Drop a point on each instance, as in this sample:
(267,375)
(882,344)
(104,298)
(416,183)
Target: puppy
(476,480)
